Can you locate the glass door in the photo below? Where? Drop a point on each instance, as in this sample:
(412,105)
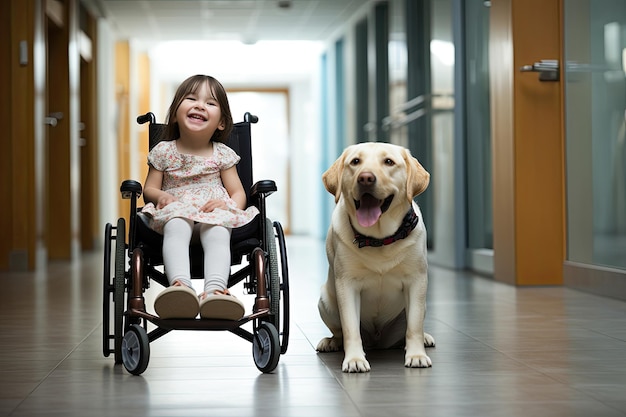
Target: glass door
(431,120)
(595,122)
(479,253)
(444,144)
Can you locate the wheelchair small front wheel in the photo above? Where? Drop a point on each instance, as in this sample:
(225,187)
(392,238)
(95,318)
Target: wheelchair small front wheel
(135,349)
(266,347)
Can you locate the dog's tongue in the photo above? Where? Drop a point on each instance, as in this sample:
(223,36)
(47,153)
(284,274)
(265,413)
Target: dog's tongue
(369,211)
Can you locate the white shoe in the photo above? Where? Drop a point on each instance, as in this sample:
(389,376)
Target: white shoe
(177,302)
(221,305)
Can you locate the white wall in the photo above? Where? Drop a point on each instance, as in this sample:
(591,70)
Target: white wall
(107,126)
(305,157)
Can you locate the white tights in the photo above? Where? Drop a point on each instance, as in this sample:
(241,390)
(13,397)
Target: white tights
(215,241)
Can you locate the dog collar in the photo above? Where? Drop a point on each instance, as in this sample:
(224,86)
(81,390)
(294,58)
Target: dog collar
(408,224)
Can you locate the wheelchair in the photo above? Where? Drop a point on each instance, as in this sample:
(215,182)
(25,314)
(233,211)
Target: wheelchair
(258,259)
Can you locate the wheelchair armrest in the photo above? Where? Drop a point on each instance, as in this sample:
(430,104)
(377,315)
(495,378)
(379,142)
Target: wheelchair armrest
(266,187)
(130,189)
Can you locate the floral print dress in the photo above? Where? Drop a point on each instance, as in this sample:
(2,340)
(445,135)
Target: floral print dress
(194,180)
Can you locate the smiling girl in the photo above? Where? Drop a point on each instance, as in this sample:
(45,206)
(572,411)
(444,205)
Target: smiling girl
(192,184)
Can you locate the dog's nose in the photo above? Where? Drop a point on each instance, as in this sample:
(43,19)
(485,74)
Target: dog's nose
(366,178)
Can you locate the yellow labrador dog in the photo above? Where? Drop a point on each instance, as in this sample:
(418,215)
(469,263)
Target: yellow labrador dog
(375,294)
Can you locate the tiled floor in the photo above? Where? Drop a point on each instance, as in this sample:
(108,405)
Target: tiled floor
(501,351)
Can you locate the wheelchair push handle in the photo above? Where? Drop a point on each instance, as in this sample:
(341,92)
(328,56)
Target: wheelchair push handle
(145,118)
(250,118)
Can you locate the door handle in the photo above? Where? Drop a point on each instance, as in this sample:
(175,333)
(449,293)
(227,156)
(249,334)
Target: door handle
(53,118)
(548,69)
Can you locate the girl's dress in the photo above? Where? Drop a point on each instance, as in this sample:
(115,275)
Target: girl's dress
(194,180)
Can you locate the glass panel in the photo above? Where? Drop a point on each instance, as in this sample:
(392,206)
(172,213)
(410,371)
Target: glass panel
(381,63)
(478,139)
(409,84)
(595,104)
(361,81)
(340,102)
(398,69)
(442,125)
(414,113)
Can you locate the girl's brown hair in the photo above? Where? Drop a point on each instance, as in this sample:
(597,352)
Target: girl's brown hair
(190,86)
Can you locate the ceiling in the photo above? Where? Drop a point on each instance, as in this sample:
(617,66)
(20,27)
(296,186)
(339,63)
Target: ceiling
(247,21)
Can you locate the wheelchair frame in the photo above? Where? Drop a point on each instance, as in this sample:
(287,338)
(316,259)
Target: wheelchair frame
(264,277)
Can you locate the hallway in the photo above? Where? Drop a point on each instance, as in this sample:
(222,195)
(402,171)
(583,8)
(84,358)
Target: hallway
(501,351)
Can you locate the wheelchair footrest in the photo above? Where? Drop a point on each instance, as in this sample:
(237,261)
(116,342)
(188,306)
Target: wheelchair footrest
(199,324)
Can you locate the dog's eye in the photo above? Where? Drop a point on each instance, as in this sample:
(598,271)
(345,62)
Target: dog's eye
(389,162)
(355,161)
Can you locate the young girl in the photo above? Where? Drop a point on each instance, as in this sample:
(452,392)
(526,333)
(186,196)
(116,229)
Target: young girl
(192,183)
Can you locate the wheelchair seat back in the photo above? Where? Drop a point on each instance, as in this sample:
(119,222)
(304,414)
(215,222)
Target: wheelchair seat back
(239,141)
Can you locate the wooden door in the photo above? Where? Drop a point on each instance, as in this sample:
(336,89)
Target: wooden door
(58,235)
(527,143)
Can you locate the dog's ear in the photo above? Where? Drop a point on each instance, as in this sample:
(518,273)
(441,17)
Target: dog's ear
(332,177)
(417,177)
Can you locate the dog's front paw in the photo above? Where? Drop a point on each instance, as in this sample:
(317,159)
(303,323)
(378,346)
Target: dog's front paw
(353,365)
(329,344)
(429,341)
(417,361)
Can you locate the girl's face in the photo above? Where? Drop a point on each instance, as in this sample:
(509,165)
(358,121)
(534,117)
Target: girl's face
(199,114)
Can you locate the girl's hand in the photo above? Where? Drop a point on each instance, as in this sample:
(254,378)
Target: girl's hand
(211,205)
(165,199)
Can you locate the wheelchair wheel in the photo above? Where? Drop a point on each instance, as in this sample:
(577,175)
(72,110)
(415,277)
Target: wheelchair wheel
(266,347)
(116,288)
(278,282)
(119,288)
(106,291)
(273,281)
(136,350)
